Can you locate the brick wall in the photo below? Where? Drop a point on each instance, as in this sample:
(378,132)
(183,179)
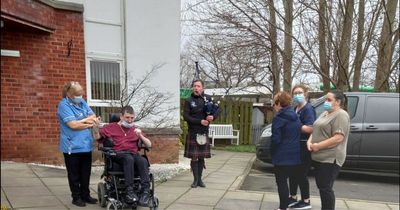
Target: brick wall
(31,84)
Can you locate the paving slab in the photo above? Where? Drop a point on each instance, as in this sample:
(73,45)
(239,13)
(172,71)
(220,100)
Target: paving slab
(34,201)
(201,196)
(238,204)
(359,205)
(180,206)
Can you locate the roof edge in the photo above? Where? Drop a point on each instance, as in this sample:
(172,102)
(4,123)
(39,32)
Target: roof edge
(64,5)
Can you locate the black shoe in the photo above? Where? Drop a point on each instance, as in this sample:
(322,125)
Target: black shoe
(292,202)
(90,200)
(144,199)
(131,196)
(200,183)
(78,202)
(302,205)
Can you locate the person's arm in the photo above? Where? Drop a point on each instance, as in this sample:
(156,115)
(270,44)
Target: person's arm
(309,143)
(82,124)
(187,117)
(308,120)
(340,128)
(145,140)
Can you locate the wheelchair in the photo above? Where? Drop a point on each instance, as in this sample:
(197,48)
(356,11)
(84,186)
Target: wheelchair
(111,190)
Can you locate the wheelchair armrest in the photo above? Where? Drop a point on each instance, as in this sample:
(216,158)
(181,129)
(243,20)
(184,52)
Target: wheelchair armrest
(142,145)
(108,151)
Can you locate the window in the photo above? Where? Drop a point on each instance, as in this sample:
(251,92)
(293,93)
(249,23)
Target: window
(105,80)
(352,102)
(382,110)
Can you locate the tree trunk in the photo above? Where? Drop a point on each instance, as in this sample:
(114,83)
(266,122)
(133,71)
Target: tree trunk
(324,66)
(287,57)
(344,47)
(385,48)
(360,34)
(274,48)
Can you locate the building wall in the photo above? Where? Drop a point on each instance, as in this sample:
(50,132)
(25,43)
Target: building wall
(138,35)
(31,84)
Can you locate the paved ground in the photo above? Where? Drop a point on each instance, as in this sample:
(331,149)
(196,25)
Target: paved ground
(25,186)
(348,185)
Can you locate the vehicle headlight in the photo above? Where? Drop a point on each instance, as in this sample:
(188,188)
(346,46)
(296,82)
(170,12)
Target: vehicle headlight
(266,133)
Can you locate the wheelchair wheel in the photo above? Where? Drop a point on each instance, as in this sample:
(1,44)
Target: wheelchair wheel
(101,192)
(112,206)
(153,205)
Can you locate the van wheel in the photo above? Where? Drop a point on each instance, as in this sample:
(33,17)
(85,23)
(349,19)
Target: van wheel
(101,192)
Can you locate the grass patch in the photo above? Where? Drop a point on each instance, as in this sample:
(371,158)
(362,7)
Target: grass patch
(237,148)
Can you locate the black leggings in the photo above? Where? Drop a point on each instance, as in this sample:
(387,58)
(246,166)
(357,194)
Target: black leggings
(282,173)
(325,175)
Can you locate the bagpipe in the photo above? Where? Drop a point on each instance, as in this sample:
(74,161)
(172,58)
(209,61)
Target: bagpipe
(210,106)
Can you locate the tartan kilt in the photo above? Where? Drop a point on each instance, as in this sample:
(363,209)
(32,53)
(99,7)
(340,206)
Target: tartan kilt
(194,150)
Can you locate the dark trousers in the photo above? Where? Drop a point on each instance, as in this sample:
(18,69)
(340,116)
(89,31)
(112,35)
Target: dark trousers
(131,163)
(325,175)
(282,173)
(301,178)
(79,166)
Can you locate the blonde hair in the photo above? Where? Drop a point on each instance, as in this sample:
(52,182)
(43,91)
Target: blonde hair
(74,86)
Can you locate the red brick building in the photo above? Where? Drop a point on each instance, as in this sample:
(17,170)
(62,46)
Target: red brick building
(42,44)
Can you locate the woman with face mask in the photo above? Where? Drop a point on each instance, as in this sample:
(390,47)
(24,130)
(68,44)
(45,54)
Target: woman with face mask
(327,145)
(285,145)
(76,119)
(306,113)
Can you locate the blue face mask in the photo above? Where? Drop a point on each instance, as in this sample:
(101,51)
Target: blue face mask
(125,124)
(299,98)
(327,106)
(77,99)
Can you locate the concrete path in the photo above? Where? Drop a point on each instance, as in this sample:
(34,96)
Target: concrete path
(27,186)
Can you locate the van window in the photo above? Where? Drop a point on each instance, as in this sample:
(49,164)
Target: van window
(352,102)
(382,110)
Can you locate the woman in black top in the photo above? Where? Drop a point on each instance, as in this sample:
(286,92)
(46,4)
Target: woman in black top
(198,119)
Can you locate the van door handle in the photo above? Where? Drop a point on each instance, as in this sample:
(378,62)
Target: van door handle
(371,127)
(354,127)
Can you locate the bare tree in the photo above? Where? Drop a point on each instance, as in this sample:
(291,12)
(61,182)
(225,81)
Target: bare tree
(344,47)
(288,49)
(149,103)
(385,47)
(324,65)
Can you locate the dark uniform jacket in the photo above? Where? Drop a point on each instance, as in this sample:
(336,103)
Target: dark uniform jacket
(194,112)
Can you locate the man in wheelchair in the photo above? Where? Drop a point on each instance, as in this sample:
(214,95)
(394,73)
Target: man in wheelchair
(125,136)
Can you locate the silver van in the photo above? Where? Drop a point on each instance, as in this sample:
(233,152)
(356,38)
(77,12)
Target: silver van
(373,143)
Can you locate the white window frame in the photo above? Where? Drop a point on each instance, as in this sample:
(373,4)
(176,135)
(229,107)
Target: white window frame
(111,59)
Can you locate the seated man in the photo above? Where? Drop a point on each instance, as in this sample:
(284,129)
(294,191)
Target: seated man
(125,136)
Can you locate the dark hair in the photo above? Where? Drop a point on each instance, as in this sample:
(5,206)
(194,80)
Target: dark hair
(340,96)
(127,109)
(198,80)
(283,98)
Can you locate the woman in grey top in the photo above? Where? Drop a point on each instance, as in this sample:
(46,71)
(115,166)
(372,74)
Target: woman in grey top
(327,145)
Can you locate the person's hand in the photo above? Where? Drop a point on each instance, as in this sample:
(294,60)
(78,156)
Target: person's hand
(314,147)
(205,122)
(309,146)
(210,118)
(138,131)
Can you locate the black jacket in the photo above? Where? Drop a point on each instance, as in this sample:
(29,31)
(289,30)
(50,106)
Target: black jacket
(194,112)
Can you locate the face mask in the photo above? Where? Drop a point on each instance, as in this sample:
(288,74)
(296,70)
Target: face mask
(327,106)
(299,98)
(126,124)
(77,99)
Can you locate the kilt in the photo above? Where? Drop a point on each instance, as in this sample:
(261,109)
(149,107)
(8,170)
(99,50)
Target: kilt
(194,150)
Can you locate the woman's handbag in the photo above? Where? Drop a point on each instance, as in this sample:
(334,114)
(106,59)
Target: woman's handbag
(201,139)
